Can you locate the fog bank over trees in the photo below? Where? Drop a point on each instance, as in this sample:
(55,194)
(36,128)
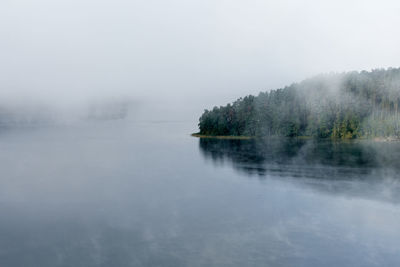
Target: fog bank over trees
(338,105)
(31,113)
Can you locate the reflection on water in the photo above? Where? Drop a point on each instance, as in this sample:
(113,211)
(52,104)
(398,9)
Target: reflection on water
(357,167)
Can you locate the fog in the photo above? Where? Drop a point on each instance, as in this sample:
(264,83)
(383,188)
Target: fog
(175,58)
(142,191)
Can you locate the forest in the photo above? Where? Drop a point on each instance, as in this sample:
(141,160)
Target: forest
(336,105)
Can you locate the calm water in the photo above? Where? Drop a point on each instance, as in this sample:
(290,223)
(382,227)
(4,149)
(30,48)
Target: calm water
(147,194)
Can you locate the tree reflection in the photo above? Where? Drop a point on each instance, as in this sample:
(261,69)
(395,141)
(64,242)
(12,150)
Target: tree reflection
(363,169)
(298,157)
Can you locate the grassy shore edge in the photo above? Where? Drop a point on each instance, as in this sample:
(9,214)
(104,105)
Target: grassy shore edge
(233,137)
(229,137)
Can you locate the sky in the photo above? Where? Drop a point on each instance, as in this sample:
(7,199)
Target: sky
(174,58)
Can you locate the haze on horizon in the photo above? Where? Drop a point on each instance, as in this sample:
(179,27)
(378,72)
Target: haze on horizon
(175,58)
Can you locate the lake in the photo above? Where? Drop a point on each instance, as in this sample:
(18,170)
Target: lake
(126,193)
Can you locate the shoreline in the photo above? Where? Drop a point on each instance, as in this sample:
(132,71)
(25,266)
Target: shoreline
(227,137)
(235,137)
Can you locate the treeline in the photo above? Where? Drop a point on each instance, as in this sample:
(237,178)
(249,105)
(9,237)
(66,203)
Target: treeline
(337,105)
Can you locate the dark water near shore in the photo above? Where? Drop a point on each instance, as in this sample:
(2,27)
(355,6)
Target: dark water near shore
(125,193)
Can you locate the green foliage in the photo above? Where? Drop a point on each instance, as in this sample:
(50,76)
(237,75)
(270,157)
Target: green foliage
(345,105)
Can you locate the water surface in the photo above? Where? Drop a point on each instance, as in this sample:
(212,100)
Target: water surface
(123,193)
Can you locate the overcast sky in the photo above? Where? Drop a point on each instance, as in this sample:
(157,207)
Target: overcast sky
(185,55)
